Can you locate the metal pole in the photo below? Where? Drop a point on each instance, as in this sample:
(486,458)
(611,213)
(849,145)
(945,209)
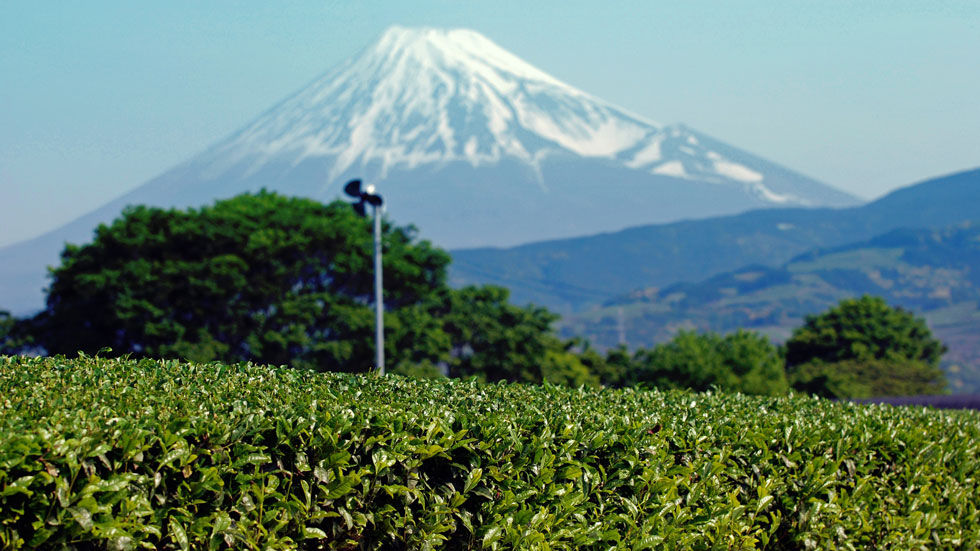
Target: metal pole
(379,337)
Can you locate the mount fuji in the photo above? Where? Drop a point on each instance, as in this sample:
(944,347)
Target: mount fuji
(466,141)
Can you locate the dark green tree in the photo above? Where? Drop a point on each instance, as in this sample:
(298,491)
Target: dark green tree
(615,368)
(753,364)
(742,361)
(271,279)
(864,347)
(8,344)
(259,277)
(495,340)
(571,363)
(605,370)
(868,378)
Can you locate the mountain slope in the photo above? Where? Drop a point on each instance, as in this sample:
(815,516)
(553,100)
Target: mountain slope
(466,141)
(935,273)
(421,97)
(572,274)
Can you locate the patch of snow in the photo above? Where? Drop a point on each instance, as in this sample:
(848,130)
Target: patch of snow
(671,168)
(736,171)
(771,196)
(470,150)
(650,153)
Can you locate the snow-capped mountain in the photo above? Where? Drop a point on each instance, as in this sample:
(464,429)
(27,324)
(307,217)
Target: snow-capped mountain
(433,97)
(464,140)
(420,97)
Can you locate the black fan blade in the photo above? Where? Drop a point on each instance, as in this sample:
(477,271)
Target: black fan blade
(375,200)
(353,188)
(359,208)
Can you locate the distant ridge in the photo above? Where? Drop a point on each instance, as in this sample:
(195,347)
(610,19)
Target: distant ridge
(573,274)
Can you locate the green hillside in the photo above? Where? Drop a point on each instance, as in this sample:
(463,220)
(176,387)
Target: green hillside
(120,454)
(935,273)
(571,275)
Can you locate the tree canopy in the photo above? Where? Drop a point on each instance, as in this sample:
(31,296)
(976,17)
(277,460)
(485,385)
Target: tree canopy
(258,277)
(742,361)
(868,378)
(864,347)
(494,339)
(270,279)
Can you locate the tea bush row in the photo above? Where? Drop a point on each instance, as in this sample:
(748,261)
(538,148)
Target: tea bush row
(126,454)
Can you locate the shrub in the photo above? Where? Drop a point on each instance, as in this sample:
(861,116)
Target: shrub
(742,361)
(129,454)
(865,346)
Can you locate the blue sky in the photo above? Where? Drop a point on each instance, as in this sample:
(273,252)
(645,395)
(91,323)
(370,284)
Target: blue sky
(97,97)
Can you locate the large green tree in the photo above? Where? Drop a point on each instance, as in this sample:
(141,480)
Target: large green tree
(259,277)
(495,340)
(270,279)
(864,347)
(742,361)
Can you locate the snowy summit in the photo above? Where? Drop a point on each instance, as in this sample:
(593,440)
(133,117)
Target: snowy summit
(422,96)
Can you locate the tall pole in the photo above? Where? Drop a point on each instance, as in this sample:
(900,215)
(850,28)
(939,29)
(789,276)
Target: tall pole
(368,197)
(379,336)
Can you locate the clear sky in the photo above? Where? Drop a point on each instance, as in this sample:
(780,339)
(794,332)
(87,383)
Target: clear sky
(96,97)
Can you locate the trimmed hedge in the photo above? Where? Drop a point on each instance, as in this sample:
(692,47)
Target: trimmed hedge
(129,454)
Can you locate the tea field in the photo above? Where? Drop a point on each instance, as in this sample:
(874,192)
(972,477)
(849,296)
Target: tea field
(140,454)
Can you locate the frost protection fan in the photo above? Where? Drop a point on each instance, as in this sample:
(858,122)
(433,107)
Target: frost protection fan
(366,196)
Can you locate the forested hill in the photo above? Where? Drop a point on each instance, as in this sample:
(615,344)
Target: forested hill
(569,275)
(935,273)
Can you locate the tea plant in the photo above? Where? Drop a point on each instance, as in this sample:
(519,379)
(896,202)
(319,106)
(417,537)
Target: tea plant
(147,454)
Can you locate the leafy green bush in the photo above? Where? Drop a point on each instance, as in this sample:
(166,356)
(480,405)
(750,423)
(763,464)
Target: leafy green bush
(863,328)
(98,453)
(868,378)
(742,361)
